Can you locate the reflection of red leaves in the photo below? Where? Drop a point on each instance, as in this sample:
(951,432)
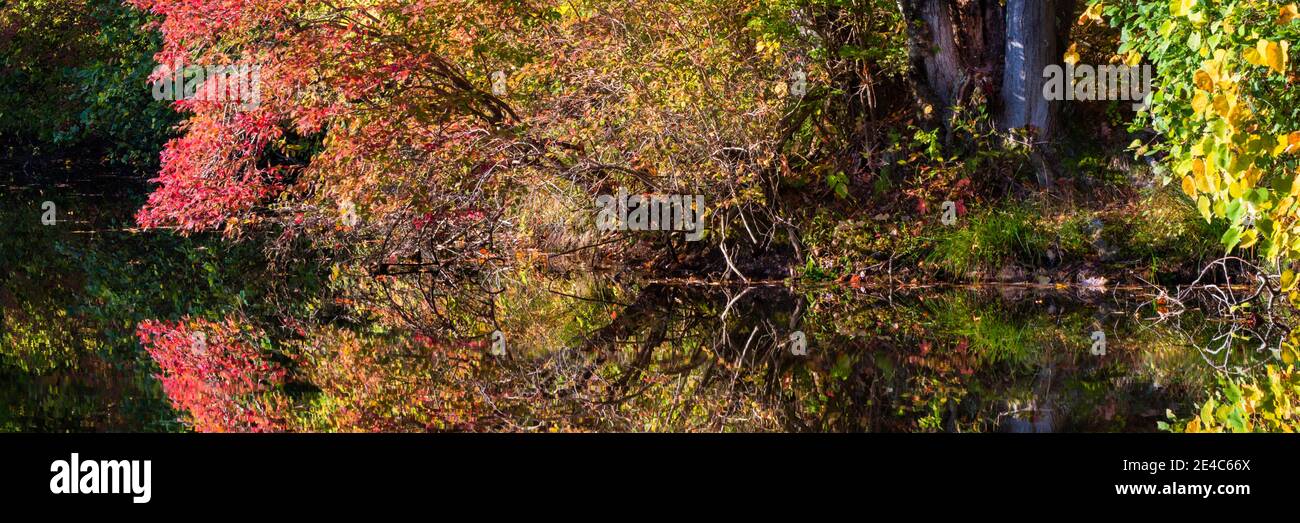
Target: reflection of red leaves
(214,372)
(425,341)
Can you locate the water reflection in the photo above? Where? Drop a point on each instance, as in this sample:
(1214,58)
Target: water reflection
(1010,359)
(73,293)
(593,352)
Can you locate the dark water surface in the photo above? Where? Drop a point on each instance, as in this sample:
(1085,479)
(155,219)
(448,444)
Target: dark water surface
(667,357)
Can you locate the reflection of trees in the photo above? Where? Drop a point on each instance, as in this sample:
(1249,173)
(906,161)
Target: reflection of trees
(66,353)
(696,358)
(674,358)
(1236,317)
(1232,314)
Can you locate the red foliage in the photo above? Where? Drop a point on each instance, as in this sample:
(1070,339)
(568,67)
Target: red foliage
(354,74)
(215,373)
(210,173)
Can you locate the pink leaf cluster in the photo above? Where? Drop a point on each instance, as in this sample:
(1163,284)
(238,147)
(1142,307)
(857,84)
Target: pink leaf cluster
(212,371)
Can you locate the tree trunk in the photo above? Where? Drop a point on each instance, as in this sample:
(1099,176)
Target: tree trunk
(955,47)
(958,46)
(1033,42)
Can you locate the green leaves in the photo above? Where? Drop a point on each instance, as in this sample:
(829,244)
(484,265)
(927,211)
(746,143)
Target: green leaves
(1236,210)
(1231,238)
(839,183)
(1223,110)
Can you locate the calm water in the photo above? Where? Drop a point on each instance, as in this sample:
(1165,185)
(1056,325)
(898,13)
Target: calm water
(593,353)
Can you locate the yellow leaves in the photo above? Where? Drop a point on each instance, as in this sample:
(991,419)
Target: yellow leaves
(1280,146)
(1072,54)
(1133,59)
(1268,54)
(1200,101)
(1092,13)
(1252,56)
(1237,188)
(1224,103)
(1275,55)
(1252,176)
(1293,142)
(1248,239)
(770,50)
(1287,143)
(1217,89)
(1204,177)
(1214,73)
(1253,396)
(1283,207)
(1203,80)
(1239,115)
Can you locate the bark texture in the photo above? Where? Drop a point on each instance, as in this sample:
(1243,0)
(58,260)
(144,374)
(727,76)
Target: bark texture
(959,45)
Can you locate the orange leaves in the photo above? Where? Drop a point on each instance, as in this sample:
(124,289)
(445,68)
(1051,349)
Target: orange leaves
(389,385)
(1203,80)
(1287,14)
(1292,142)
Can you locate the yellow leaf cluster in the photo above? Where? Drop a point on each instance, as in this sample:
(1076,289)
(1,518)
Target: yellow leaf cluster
(1072,54)
(1268,54)
(1092,13)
